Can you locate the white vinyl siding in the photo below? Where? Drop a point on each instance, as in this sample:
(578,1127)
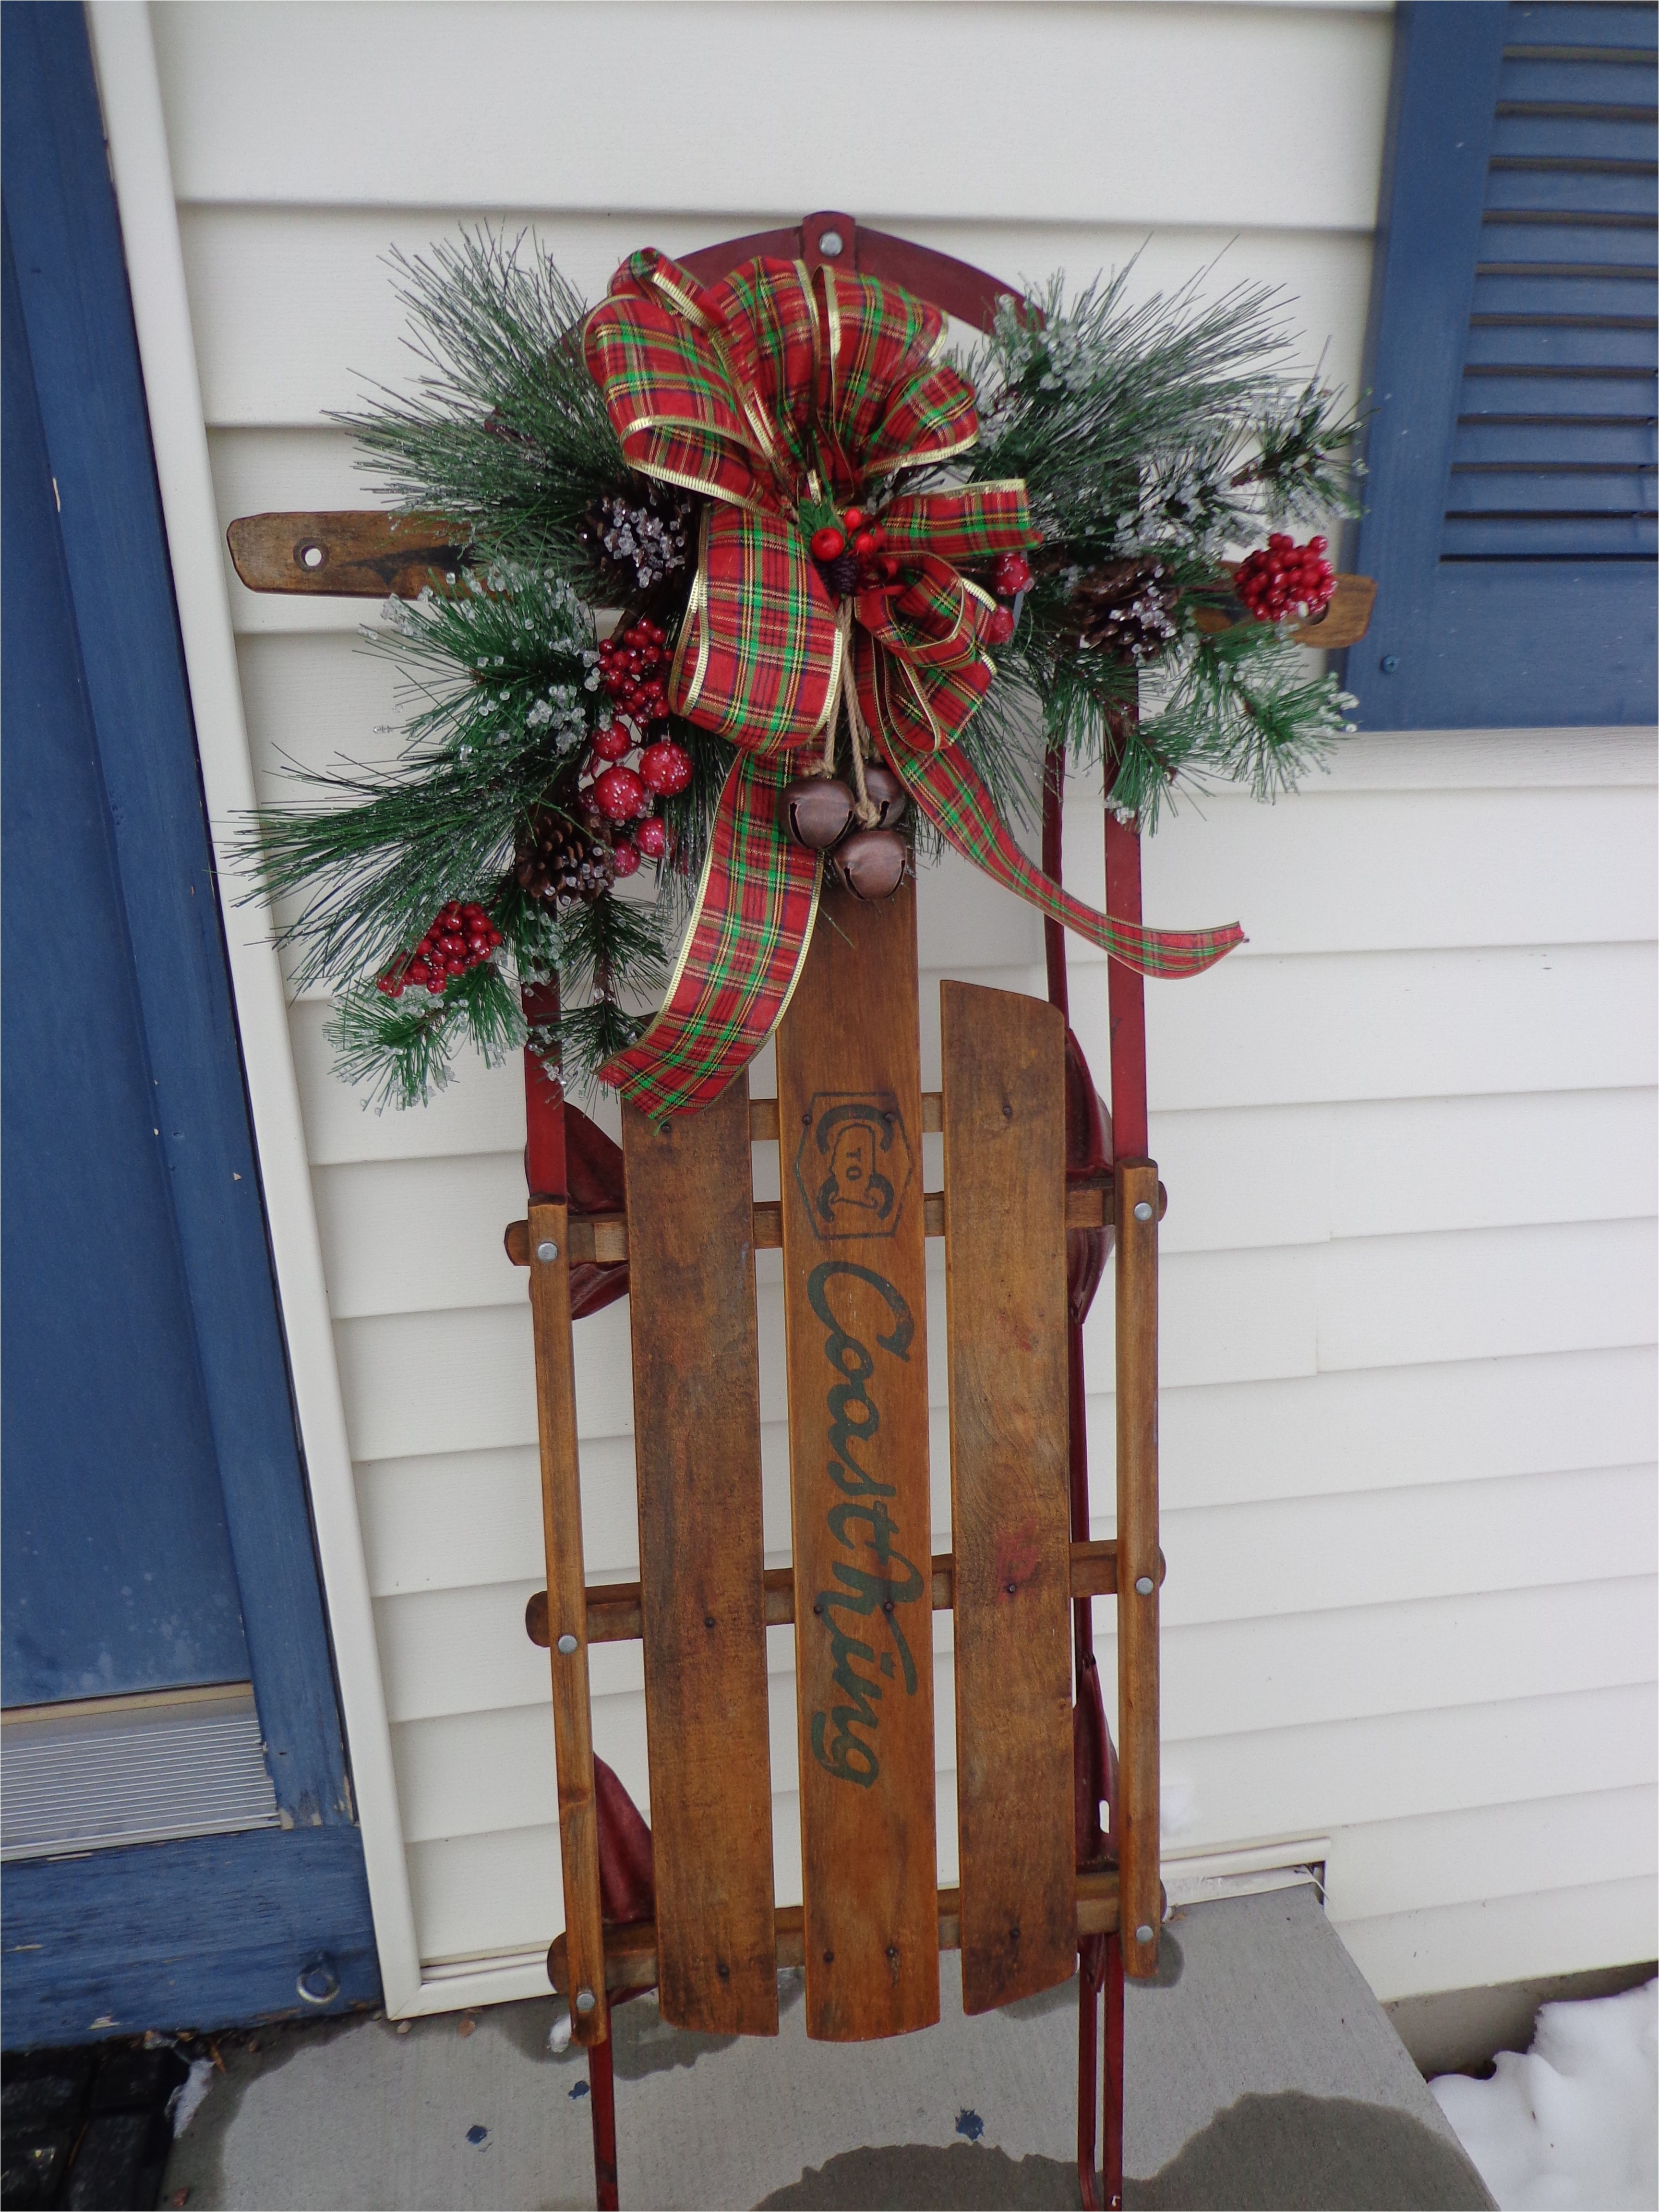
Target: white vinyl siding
(1408,1131)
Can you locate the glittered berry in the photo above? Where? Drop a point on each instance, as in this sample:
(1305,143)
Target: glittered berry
(999,626)
(652,839)
(613,744)
(390,984)
(624,857)
(827,543)
(665,767)
(1011,576)
(620,794)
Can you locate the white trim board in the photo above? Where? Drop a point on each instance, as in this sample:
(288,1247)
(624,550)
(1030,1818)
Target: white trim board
(1486,760)
(125,56)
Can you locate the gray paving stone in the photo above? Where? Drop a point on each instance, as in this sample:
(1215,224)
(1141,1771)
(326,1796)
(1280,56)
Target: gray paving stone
(1260,2071)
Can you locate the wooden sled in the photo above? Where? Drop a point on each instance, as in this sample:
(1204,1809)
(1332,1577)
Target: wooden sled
(691,1910)
(1032,1204)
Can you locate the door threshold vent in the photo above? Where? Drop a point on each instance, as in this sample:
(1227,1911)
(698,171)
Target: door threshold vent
(1204,1876)
(105,1772)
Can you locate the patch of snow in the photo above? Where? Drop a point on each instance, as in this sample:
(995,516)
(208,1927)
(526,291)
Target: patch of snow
(186,2099)
(1573,2125)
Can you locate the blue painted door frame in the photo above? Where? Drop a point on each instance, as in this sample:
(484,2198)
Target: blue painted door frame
(118,1574)
(219,1929)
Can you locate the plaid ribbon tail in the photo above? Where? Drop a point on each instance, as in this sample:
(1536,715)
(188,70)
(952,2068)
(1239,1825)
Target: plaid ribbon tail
(743,953)
(951,794)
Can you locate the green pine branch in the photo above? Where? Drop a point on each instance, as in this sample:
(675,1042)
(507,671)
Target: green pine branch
(505,431)
(1242,709)
(496,679)
(401,1051)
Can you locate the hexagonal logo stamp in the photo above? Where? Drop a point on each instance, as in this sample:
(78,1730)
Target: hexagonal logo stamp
(853,1166)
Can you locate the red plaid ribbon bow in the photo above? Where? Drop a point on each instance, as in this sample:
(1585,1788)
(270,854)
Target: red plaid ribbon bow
(773,388)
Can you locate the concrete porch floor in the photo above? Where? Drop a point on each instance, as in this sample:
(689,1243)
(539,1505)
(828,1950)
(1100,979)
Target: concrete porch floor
(1260,2072)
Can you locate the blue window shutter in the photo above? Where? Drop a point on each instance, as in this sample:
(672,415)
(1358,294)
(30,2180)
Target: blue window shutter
(1510,371)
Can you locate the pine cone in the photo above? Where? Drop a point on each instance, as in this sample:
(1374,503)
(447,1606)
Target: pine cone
(1127,608)
(563,863)
(843,574)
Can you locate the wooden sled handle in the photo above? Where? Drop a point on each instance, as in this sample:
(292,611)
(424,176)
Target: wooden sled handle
(364,553)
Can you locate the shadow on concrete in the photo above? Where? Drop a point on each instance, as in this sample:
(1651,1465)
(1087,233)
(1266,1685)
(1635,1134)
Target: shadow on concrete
(1290,2153)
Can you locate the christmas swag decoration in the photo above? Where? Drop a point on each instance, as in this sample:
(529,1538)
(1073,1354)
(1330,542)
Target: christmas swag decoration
(862,589)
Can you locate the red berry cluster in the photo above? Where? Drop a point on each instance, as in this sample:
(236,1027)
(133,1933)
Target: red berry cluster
(631,666)
(1011,576)
(622,794)
(1284,577)
(459,938)
(853,555)
(632,663)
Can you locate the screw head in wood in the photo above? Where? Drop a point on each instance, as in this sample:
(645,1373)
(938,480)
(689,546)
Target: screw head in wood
(566,1643)
(547,1251)
(1143,1586)
(1142,1209)
(1144,1934)
(586,2000)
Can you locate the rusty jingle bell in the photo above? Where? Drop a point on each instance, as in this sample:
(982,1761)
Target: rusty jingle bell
(816,809)
(870,863)
(882,786)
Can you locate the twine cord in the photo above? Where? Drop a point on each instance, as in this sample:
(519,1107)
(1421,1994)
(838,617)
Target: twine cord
(866,812)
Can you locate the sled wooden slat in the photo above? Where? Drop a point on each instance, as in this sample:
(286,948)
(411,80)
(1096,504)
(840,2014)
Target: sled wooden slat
(1005,1161)
(849,1108)
(1138,1553)
(602,1237)
(562,1526)
(630,1951)
(613,1608)
(696,1439)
